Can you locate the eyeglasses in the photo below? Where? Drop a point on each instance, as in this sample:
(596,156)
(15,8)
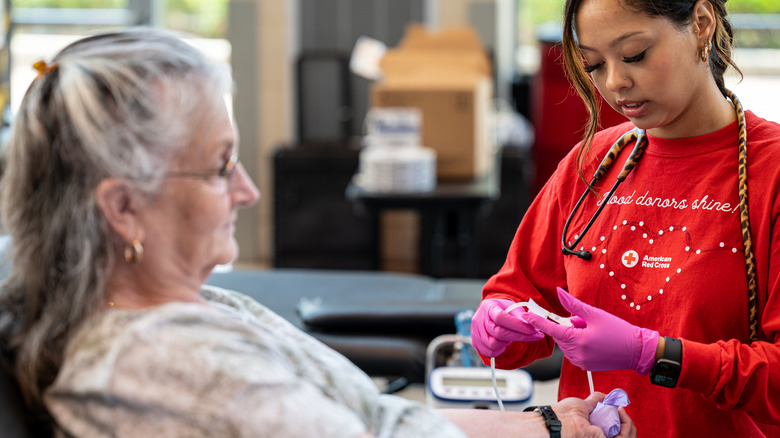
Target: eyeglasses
(226,171)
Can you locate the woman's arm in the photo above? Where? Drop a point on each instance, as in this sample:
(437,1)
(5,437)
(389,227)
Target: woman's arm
(533,268)
(572,412)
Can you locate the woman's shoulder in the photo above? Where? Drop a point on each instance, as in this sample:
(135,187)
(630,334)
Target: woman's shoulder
(763,142)
(762,130)
(231,298)
(173,326)
(161,361)
(763,154)
(118,344)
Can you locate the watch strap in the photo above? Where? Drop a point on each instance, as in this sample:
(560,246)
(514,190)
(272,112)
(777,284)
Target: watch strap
(672,349)
(550,419)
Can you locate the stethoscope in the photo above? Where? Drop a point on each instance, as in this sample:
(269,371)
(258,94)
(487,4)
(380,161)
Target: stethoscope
(640,137)
(635,134)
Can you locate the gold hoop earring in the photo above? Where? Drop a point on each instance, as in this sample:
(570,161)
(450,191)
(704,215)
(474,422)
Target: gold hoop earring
(705,51)
(134,252)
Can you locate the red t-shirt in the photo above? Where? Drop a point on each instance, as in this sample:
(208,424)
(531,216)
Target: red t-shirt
(668,255)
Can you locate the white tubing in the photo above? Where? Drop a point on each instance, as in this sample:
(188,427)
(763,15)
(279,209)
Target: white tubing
(590,382)
(495,385)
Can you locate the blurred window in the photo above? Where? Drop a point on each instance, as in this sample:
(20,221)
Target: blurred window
(40,28)
(756,22)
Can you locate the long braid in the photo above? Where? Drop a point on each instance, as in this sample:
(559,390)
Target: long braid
(744,218)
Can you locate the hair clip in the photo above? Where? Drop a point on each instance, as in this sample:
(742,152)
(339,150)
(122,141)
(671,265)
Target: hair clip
(43,68)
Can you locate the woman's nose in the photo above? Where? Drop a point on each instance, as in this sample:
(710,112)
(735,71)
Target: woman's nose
(617,77)
(244,191)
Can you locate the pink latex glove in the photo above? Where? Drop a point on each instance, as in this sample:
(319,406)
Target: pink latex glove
(599,341)
(492,329)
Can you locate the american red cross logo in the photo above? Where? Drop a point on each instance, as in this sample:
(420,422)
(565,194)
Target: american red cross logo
(630,258)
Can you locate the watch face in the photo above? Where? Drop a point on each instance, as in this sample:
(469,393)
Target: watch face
(665,373)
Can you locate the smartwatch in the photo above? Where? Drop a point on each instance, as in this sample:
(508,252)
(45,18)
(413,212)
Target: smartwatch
(666,370)
(550,419)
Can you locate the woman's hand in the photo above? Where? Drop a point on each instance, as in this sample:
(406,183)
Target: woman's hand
(493,329)
(574,414)
(599,341)
(627,427)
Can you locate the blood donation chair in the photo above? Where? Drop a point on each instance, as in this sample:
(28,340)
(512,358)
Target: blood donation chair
(381,321)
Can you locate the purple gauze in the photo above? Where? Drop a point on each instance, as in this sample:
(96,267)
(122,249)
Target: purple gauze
(606,416)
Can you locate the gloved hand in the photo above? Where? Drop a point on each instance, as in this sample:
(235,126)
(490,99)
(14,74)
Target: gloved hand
(606,415)
(492,329)
(599,341)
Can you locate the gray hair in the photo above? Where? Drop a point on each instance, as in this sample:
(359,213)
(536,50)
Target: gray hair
(111,105)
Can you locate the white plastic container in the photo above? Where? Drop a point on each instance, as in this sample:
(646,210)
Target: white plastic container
(398,169)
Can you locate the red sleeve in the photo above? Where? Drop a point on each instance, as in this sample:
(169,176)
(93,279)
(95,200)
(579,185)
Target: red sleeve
(737,375)
(533,269)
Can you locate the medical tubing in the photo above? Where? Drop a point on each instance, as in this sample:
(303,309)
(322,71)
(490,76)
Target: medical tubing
(590,382)
(613,153)
(495,385)
(633,159)
(493,361)
(636,154)
(568,221)
(527,304)
(592,219)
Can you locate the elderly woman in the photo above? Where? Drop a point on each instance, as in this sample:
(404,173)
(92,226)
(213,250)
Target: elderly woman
(120,195)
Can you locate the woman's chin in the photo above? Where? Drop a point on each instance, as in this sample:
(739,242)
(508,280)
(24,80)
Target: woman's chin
(229,255)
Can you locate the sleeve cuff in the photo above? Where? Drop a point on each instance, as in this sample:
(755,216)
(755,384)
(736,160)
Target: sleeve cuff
(700,366)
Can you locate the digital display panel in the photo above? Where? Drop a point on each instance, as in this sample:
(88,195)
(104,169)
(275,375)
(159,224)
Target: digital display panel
(471,382)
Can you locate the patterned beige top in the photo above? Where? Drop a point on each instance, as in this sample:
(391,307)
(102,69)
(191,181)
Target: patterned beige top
(232,369)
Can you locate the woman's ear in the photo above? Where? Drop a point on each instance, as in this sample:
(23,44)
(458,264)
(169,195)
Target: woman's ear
(118,202)
(704,20)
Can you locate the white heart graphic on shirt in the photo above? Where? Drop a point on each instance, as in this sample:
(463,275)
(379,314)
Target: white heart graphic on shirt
(660,256)
(642,262)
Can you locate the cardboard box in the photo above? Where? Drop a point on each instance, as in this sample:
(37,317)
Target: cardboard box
(447,76)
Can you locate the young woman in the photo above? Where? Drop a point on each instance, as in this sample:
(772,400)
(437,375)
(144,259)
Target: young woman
(677,275)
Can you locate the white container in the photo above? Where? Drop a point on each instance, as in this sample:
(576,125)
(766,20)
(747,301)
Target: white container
(398,169)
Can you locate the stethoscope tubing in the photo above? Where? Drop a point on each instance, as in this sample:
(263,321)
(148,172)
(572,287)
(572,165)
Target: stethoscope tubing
(639,136)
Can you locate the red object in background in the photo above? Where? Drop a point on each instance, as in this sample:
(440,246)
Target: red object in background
(559,115)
